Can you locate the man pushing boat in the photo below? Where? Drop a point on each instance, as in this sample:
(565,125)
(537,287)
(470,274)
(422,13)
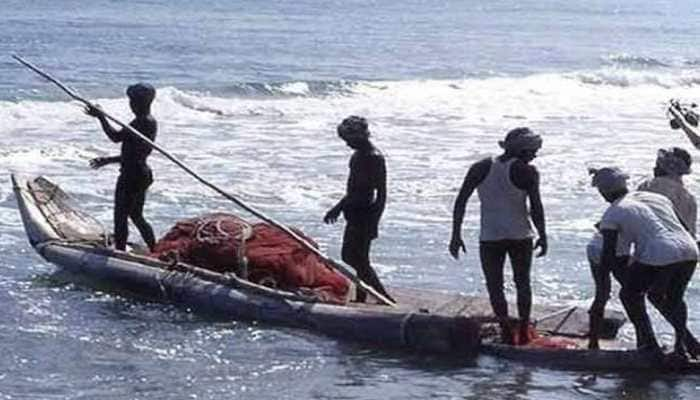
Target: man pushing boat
(135,176)
(504,185)
(664,256)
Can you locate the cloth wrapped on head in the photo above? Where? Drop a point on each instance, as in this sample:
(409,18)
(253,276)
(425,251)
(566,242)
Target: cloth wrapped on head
(520,139)
(608,179)
(674,161)
(353,128)
(141,92)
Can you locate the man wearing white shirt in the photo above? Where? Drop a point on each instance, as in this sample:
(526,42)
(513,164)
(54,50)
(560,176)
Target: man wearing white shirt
(664,255)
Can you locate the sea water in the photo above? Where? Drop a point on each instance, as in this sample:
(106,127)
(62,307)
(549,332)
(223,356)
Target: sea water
(249,94)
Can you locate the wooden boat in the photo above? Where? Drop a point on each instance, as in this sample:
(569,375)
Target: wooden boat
(75,242)
(572,352)
(425,321)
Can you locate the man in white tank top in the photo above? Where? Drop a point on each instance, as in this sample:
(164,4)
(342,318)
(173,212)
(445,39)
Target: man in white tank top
(505,184)
(664,255)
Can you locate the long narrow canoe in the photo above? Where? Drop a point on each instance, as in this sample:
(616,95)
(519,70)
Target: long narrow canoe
(75,242)
(450,324)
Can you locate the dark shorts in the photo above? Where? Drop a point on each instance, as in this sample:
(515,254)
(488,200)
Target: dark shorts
(669,280)
(129,199)
(519,250)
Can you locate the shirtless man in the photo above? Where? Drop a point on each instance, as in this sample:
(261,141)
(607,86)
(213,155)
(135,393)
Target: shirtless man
(505,184)
(664,256)
(135,175)
(363,203)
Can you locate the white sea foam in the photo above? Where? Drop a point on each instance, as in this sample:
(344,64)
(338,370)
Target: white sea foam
(281,153)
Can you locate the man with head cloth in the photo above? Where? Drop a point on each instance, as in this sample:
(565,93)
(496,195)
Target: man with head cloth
(612,180)
(505,184)
(363,203)
(664,255)
(135,175)
(671,165)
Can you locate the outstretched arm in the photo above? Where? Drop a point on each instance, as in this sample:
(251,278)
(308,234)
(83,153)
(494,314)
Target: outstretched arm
(113,134)
(100,162)
(475,176)
(689,130)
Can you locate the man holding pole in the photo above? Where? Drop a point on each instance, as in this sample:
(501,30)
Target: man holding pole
(135,175)
(142,103)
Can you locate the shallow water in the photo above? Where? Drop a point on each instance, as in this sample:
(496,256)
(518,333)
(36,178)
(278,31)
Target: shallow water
(249,96)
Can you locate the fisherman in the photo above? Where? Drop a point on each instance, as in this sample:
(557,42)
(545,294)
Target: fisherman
(363,203)
(504,185)
(671,165)
(135,175)
(664,256)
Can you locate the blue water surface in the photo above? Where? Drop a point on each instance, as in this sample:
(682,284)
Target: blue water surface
(249,93)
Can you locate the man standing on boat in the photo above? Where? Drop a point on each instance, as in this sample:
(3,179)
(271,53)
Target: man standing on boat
(504,185)
(135,175)
(363,203)
(664,256)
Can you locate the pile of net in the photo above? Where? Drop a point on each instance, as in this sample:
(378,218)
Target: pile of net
(534,339)
(224,242)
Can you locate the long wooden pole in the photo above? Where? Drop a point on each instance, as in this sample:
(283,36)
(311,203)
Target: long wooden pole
(335,264)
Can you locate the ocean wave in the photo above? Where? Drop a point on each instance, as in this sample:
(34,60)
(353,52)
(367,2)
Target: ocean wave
(615,76)
(634,61)
(625,78)
(311,88)
(430,101)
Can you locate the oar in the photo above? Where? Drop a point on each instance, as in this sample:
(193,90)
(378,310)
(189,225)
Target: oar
(336,265)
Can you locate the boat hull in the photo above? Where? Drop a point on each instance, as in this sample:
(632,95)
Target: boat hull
(383,326)
(621,360)
(425,321)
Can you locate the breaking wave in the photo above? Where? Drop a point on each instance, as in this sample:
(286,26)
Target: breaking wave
(634,61)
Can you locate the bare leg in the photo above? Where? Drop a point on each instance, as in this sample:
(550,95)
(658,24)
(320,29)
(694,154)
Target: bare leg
(142,225)
(632,294)
(520,253)
(493,256)
(667,297)
(597,310)
(121,213)
(355,252)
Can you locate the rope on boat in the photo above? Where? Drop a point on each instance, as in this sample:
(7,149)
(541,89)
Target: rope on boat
(220,235)
(404,324)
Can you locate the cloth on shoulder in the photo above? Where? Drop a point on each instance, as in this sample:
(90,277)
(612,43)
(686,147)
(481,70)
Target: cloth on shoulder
(684,203)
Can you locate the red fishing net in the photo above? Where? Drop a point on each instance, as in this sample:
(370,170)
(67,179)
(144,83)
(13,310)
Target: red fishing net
(544,342)
(219,242)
